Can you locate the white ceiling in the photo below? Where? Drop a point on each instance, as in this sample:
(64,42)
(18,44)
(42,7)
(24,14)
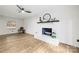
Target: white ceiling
(12,10)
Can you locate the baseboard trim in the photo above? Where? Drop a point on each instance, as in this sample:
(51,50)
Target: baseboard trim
(8,34)
(60,43)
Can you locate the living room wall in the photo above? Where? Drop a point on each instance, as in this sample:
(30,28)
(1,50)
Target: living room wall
(3,25)
(75,28)
(66,15)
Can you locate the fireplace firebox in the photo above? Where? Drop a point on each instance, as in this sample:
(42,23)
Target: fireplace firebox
(47,31)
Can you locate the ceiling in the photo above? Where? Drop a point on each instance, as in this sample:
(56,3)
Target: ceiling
(12,10)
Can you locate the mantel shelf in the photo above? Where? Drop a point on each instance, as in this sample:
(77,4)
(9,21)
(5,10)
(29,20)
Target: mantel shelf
(49,21)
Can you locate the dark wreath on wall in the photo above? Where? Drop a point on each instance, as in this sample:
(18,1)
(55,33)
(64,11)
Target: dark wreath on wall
(46,17)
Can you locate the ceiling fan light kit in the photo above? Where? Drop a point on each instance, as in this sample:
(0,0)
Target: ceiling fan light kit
(22,11)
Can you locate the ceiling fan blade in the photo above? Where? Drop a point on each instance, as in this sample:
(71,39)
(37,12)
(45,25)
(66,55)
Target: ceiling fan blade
(28,11)
(19,7)
(22,9)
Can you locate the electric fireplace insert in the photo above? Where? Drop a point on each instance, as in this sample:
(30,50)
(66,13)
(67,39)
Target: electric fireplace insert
(47,31)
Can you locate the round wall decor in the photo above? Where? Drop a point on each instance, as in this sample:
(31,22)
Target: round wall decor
(46,17)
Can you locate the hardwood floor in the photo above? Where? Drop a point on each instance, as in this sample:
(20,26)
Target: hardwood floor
(25,43)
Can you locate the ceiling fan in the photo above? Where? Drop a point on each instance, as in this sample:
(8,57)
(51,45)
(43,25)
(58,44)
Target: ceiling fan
(22,9)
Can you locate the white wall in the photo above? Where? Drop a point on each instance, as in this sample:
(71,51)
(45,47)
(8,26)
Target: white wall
(29,26)
(66,15)
(3,27)
(75,27)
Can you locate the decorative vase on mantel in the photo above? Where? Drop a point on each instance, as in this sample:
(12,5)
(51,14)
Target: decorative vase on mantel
(40,19)
(54,18)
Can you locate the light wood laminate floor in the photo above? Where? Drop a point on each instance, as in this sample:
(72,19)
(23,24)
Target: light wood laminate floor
(25,43)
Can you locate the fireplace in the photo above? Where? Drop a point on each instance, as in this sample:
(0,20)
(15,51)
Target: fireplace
(47,31)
